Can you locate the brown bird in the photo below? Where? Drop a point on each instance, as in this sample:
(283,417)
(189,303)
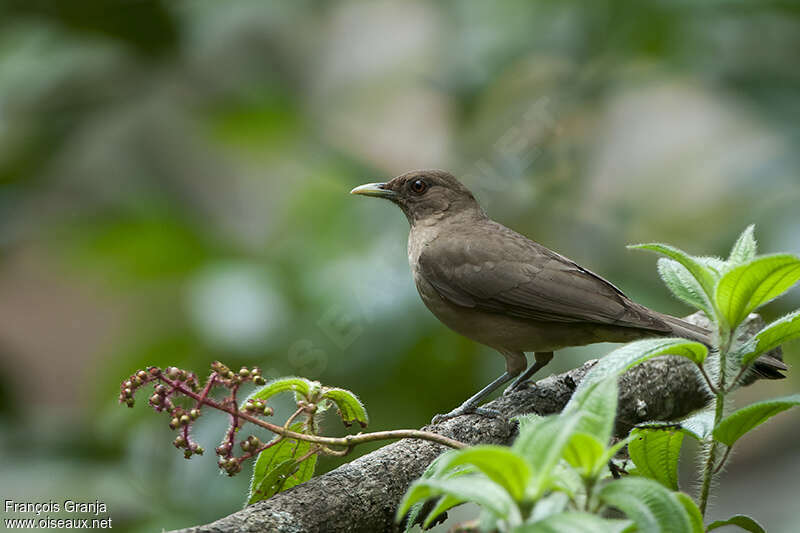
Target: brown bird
(501,289)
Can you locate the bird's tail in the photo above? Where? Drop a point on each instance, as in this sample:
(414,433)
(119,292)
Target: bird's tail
(687,330)
(767,366)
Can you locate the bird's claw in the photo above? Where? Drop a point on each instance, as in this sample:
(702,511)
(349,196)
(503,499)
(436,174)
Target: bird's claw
(516,386)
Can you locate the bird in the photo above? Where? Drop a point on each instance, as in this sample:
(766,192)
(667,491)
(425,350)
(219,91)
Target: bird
(497,287)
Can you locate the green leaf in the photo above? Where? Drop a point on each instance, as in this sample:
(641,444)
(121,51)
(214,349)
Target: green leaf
(743,521)
(350,407)
(565,479)
(300,386)
(554,503)
(541,443)
(413,515)
(716,266)
(733,426)
(596,407)
(655,454)
(433,470)
(698,425)
(751,285)
(444,504)
(694,351)
(276,468)
(266,486)
(634,353)
(440,468)
(499,463)
(583,452)
(471,488)
(701,273)
(683,285)
(695,516)
(745,248)
(783,330)
(651,506)
(574,522)
(612,450)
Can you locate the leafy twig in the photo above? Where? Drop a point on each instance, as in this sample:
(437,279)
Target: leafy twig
(174,383)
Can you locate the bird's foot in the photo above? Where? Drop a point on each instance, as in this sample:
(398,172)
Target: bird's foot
(542,358)
(467,410)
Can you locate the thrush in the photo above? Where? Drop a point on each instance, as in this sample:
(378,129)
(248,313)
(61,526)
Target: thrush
(503,290)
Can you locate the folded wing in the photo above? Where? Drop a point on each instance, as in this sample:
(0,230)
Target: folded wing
(513,275)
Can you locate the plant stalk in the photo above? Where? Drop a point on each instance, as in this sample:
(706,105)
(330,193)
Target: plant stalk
(347,442)
(711,445)
(711,456)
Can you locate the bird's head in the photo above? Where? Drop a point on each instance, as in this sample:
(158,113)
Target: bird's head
(425,194)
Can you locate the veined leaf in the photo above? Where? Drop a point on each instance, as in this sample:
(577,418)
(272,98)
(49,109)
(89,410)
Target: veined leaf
(541,443)
(751,285)
(634,353)
(350,407)
(413,516)
(554,503)
(574,522)
(736,424)
(715,265)
(694,351)
(499,463)
(596,407)
(683,285)
(271,482)
(565,479)
(300,386)
(703,276)
(783,330)
(439,468)
(472,488)
(698,425)
(743,521)
(434,471)
(695,516)
(444,504)
(276,468)
(588,456)
(655,453)
(612,450)
(583,452)
(745,248)
(652,507)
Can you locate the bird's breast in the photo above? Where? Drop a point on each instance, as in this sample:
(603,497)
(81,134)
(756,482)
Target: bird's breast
(420,237)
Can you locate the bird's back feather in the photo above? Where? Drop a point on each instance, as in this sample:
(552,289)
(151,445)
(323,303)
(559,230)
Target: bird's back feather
(510,274)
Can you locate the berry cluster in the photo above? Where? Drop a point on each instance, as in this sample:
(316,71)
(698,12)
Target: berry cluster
(173,383)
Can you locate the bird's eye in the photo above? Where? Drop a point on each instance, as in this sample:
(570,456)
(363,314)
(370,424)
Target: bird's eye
(418,186)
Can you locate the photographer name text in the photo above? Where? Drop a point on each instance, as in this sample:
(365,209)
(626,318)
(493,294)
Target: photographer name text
(43,515)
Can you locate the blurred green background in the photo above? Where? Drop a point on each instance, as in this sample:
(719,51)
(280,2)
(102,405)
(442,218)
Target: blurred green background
(174,183)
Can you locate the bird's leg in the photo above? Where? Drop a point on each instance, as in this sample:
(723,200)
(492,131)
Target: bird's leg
(542,358)
(471,405)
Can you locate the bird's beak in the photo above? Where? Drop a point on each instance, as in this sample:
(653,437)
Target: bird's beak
(374,189)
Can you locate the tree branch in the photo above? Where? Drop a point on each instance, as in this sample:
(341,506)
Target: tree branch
(362,495)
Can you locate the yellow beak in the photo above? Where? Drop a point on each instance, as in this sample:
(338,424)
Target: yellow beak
(374,189)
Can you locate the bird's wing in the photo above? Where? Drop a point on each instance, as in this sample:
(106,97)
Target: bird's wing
(502,271)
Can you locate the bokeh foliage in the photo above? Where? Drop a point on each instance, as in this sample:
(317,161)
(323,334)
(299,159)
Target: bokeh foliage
(173,190)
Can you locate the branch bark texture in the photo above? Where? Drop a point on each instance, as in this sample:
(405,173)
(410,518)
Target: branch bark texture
(361,496)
